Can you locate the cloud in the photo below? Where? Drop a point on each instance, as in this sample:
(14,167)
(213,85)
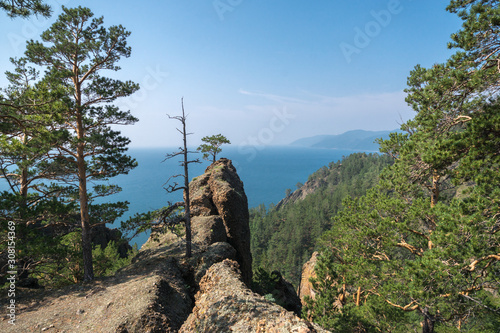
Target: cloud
(319,114)
(271,119)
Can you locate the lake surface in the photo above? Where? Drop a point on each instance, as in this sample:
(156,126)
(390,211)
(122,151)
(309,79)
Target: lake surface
(266,172)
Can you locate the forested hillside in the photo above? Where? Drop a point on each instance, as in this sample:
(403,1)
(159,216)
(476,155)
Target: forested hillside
(408,256)
(284,238)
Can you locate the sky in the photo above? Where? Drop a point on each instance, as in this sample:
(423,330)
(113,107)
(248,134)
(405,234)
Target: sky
(262,72)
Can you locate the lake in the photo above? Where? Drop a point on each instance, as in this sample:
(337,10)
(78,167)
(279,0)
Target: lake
(266,173)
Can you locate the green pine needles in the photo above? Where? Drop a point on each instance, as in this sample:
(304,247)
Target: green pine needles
(420,251)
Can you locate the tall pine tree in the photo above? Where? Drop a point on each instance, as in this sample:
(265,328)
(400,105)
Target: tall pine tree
(75,50)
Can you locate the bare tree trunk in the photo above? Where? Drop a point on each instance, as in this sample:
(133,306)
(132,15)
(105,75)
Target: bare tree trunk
(187,207)
(185,163)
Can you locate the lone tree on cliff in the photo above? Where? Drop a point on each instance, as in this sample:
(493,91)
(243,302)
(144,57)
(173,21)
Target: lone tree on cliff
(183,151)
(211,147)
(75,49)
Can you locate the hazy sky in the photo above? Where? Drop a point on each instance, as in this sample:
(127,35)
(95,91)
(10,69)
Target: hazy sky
(263,72)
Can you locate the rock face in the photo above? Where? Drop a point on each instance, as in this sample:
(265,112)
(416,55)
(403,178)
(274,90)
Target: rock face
(301,193)
(306,287)
(285,295)
(219,193)
(225,304)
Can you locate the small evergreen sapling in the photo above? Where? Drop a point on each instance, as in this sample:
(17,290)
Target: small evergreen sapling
(211,147)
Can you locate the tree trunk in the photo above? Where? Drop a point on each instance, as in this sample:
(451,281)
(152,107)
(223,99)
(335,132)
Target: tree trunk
(23,190)
(435,188)
(187,207)
(429,320)
(88,269)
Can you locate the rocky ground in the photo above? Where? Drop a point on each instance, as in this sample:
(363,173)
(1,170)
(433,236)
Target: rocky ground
(224,304)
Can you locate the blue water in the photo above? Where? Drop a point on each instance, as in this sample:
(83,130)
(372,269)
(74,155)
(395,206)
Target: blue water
(266,174)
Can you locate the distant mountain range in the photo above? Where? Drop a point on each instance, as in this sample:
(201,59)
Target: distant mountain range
(360,140)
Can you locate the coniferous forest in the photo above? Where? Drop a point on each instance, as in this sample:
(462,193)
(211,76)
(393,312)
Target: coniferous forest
(284,236)
(420,250)
(408,239)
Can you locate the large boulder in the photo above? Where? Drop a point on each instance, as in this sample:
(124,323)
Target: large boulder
(219,192)
(225,304)
(151,295)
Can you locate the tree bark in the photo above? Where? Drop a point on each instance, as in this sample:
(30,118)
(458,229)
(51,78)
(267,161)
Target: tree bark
(435,188)
(187,207)
(23,190)
(429,320)
(88,268)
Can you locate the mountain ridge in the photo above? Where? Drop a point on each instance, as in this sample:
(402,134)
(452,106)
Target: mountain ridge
(355,140)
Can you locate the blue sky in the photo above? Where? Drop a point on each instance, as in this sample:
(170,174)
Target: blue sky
(263,72)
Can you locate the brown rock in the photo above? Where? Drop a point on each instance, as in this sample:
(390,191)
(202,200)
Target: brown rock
(285,295)
(306,287)
(219,191)
(208,230)
(148,296)
(201,196)
(225,304)
(215,253)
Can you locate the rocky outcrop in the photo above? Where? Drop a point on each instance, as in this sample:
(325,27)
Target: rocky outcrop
(225,304)
(207,230)
(306,287)
(301,193)
(162,290)
(285,295)
(219,193)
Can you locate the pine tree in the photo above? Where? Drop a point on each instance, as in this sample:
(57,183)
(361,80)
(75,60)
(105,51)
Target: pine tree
(425,240)
(75,50)
(211,147)
(25,8)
